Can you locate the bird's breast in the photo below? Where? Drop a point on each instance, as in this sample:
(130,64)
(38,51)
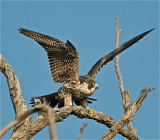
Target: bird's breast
(78,91)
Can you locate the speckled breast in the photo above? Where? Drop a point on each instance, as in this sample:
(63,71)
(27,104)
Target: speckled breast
(78,91)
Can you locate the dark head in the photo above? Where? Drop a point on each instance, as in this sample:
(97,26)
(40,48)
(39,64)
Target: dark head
(89,83)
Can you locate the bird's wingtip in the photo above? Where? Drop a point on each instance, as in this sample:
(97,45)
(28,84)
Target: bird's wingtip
(20,29)
(151,29)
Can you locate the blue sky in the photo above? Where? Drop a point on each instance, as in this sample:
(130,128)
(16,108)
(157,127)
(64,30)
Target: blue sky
(90,26)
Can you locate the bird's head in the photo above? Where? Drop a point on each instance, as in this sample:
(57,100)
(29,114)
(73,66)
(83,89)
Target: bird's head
(92,85)
(89,83)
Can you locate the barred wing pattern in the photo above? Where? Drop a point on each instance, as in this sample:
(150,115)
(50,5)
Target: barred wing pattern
(63,57)
(109,57)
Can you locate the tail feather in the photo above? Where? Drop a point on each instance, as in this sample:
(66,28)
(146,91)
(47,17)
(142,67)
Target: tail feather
(84,102)
(49,99)
(92,99)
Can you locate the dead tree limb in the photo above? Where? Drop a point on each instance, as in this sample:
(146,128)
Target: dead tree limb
(14,87)
(18,102)
(117,70)
(61,113)
(124,94)
(128,116)
(22,122)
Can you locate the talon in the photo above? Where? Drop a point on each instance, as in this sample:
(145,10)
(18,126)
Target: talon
(79,107)
(91,111)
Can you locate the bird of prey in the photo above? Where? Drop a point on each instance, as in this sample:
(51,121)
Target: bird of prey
(64,65)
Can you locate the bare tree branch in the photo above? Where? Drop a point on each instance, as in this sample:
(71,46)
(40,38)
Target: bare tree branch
(61,113)
(81,131)
(129,109)
(124,94)
(14,87)
(20,106)
(15,94)
(118,71)
(42,107)
(128,116)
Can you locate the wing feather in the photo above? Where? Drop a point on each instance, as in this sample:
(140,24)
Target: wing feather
(63,57)
(109,57)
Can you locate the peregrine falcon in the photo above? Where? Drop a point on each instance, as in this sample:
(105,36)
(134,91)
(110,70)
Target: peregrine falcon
(64,65)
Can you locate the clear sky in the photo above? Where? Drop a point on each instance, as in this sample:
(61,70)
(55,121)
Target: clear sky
(90,26)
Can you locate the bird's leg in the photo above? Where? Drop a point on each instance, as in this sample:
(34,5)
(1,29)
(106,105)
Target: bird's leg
(68,100)
(90,110)
(84,103)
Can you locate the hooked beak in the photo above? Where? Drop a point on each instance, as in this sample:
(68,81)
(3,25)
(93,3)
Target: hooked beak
(96,86)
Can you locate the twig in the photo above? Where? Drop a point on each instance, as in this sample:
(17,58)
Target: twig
(30,111)
(118,71)
(128,116)
(143,95)
(81,131)
(51,120)
(125,94)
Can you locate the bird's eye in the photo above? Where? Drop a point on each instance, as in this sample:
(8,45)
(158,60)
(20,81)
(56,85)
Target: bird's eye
(92,84)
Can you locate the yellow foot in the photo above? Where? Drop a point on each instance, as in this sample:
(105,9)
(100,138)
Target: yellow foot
(79,107)
(87,108)
(91,111)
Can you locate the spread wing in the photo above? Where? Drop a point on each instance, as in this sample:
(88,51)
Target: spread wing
(63,57)
(109,57)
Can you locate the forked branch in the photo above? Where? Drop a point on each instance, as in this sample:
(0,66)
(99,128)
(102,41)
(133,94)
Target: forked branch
(128,116)
(124,94)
